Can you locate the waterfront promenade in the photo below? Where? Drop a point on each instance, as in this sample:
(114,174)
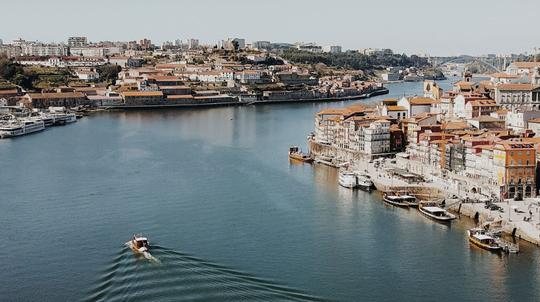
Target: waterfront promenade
(518,218)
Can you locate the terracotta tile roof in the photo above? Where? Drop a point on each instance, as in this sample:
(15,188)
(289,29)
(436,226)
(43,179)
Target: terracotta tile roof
(456,125)
(54,95)
(390,100)
(423,101)
(514,145)
(142,93)
(333,111)
(504,75)
(396,108)
(526,64)
(182,96)
(516,87)
(483,103)
(463,84)
(534,120)
(9,91)
(487,118)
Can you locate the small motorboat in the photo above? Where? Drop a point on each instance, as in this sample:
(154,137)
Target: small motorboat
(480,238)
(139,244)
(436,213)
(347,179)
(297,154)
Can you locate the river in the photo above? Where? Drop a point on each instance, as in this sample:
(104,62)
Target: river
(228,216)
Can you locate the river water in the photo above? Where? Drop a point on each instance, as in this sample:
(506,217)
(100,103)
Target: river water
(228,216)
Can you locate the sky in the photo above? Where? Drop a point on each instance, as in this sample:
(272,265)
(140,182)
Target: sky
(437,28)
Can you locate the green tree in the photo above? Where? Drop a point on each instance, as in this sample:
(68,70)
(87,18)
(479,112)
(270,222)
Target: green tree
(109,72)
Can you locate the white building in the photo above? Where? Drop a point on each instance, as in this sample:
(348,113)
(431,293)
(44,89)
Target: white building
(332,49)
(94,51)
(249,76)
(77,41)
(417,105)
(41,49)
(518,96)
(193,43)
(519,120)
(87,75)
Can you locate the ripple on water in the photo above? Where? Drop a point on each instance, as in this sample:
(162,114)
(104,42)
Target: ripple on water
(181,276)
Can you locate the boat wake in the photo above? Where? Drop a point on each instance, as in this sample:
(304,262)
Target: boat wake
(180,276)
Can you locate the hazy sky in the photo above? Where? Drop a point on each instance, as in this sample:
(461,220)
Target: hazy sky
(411,26)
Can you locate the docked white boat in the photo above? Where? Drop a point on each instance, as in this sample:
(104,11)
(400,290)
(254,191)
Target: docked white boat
(347,179)
(48,119)
(436,213)
(410,200)
(13,128)
(364,181)
(397,200)
(64,118)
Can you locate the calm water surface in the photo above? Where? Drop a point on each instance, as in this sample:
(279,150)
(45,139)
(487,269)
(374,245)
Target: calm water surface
(229,216)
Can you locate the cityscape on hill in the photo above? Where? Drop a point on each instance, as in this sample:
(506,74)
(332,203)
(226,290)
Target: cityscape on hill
(269,151)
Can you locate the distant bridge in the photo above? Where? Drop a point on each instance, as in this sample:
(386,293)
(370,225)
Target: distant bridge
(467,60)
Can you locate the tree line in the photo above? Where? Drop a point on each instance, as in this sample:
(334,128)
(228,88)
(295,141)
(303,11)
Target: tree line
(354,60)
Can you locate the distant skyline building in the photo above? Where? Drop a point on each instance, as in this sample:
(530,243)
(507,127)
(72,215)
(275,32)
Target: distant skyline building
(261,45)
(77,41)
(332,49)
(193,43)
(145,44)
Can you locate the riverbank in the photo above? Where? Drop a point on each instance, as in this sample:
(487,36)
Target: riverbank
(377,92)
(520,219)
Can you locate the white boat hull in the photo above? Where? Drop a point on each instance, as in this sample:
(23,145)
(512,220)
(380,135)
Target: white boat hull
(446,218)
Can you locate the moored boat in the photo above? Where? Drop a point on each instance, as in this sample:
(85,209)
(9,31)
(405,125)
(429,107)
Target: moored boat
(410,200)
(436,213)
(396,200)
(481,239)
(347,179)
(297,154)
(13,128)
(364,181)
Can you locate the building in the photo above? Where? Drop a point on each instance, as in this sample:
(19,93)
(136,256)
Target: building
(332,49)
(77,41)
(42,49)
(10,51)
(249,76)
(390,76)
(417,105)
(311,47)
(432,90)
(478,108)
(62,99)
(87,74)
(376,138)
(534,125)
(94,51)
(518,120)
(193,43)
(518,96)
(260,45)
(515,163)
(142,98)
(394,111)
(522,68)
